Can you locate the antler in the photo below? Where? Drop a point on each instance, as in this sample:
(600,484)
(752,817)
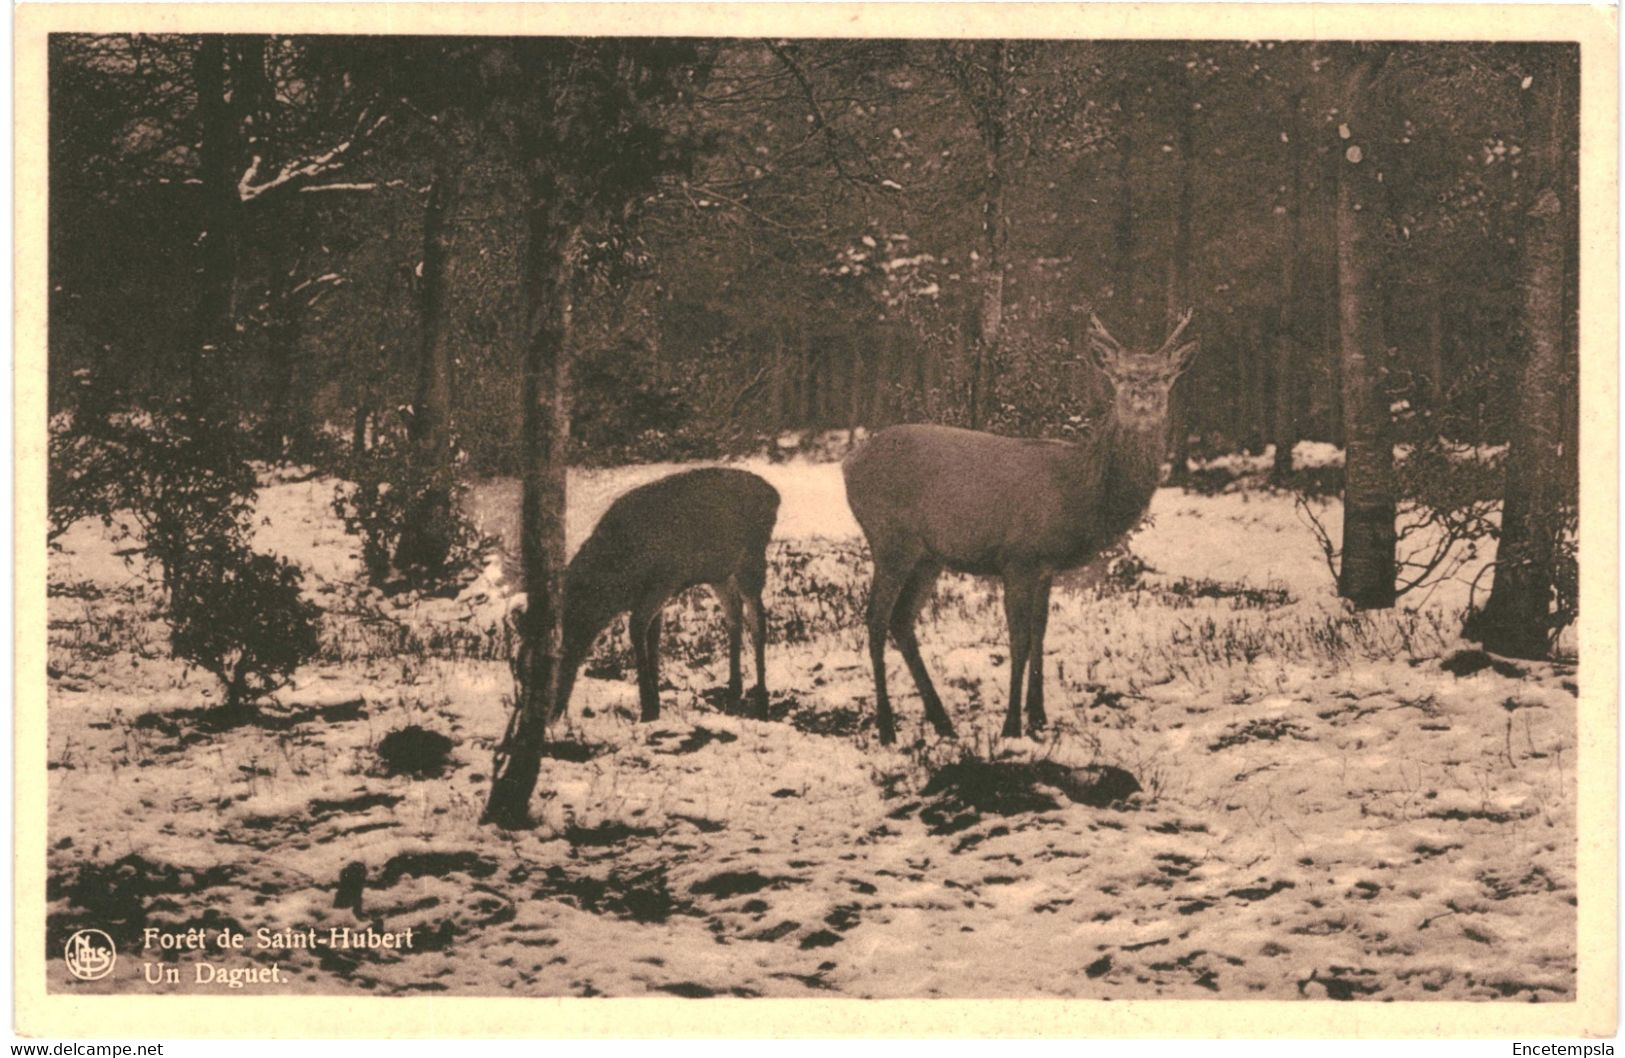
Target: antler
(1102,339)
(1172,341)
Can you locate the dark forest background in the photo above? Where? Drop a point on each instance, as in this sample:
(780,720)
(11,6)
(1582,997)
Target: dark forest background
(855,233)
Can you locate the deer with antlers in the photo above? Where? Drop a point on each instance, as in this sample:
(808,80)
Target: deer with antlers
(931,498)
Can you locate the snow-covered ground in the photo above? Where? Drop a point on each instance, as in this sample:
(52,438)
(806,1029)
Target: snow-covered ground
(1324,809)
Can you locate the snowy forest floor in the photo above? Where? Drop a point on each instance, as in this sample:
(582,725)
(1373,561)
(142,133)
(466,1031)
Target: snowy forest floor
(1352,806)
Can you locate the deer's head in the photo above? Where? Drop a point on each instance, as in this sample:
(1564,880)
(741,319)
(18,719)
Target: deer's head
(1141,381)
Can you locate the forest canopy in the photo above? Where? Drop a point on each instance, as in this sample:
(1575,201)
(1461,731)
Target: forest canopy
(848,233)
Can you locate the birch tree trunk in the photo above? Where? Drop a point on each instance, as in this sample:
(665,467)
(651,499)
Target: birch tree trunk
(1366,575)
(1517,620)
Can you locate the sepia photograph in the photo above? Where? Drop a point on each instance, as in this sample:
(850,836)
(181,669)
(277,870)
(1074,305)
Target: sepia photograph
(686,512)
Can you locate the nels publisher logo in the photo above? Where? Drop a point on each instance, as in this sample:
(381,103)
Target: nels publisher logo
(90,955)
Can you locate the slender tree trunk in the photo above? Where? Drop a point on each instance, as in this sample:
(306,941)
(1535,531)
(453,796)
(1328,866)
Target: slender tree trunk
(217,244)
(994,237)
(830,410)
(978,352)
(809,382)
(358,432)
(1285,418)
(431,409)
(1256,387)
(1288,339)
(1517,620)
(982,71)
(1435,343)
(967,368)
(775,399)
(854,407)
(1123,229)
(1366,576)
(251,104)
(290,410)
(939,374)
(1179,274)
(545,385)
(426,538)
(282,334)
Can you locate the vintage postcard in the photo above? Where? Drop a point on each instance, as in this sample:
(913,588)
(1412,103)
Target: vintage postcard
(857,519)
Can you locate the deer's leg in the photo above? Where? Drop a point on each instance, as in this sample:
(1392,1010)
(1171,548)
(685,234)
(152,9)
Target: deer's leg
(883,594)
(904,616)
(1035,675)
(566,683)
(728,593)
(650,698)
(756,614)
(645,630)
(1019,588)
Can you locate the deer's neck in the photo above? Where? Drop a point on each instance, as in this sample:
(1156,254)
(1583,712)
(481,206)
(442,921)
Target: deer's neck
(1133,466)
(591,601)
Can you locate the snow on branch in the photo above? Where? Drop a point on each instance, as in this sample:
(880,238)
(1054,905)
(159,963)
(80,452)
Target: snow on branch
(311,189)
(308,167)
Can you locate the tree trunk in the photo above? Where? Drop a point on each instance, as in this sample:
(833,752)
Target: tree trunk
(1287,351)
(854,407)
(1435,344)
(251,104)
(775,399)
(1256,386)
(1179,274)
(1123,229)
(282,332)
(288,420)
(427,536)
(358,433)
(1366,576)
(809,382)
(431,409)
(1517,620)
(994,236)
(978,351)
(217,244)
(545,385)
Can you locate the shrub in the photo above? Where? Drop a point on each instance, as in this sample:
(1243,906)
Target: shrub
(408,514)
(83,473)
(184,478)
(240,616)
(82,476)
(190,487)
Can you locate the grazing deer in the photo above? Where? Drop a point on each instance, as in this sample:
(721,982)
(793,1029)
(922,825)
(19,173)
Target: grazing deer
(708,526)
(931,498)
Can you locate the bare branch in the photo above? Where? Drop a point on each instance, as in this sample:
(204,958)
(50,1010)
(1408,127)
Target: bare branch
(1322,536)
(822,126)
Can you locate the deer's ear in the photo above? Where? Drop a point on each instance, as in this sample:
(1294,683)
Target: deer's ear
(1183,356)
